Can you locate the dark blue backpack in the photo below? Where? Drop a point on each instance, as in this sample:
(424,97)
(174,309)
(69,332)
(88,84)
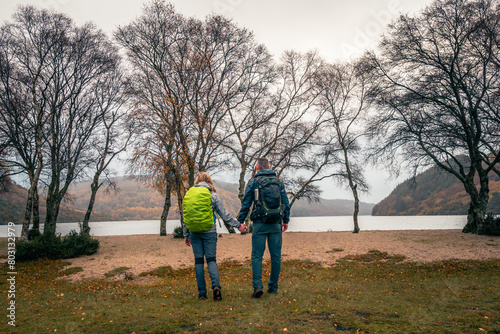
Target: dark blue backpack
(268,207)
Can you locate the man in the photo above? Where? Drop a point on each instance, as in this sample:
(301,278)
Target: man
(265,191)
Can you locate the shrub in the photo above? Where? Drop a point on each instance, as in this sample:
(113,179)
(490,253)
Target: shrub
(178,234)
(491,225)
(55,247)
(32,234)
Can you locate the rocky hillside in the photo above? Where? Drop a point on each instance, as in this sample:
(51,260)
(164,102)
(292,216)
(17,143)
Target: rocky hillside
(433,192)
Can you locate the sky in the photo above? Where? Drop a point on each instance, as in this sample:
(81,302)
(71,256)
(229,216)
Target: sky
(338,30)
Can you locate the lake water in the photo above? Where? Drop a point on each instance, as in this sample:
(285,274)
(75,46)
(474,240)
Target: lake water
(297,224)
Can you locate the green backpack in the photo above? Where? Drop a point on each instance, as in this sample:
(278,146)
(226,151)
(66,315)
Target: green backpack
(197,209)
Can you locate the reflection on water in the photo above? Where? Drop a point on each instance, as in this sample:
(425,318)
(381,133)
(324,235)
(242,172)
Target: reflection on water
(297,224)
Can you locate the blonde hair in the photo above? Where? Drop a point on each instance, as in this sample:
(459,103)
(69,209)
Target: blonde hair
(204,177)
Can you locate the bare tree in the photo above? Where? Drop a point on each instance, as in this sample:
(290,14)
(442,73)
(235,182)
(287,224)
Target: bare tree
(294,139)
(50,70)
(439,99)
(200,70)
(250,114)
(154,158)
(344,95)
(111,137)
(158,47)
(227,59)
(27,46)
(280,120)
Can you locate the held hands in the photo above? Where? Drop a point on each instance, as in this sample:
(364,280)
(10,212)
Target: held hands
(242,228)
(187,242)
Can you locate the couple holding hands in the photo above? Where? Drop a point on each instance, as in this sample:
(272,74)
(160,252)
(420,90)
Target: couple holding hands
(270,216)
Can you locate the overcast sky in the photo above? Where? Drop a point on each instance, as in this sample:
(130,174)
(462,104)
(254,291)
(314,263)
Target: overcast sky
(337,29)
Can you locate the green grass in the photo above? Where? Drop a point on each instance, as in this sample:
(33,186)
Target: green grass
(116,272)
(374,293)
(70,271)
(335,250)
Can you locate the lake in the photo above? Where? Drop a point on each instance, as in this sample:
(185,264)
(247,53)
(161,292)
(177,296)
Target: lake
(297,224)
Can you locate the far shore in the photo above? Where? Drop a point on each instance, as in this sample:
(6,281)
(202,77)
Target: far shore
(141,253)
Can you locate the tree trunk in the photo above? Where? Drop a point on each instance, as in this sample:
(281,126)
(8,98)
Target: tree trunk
(478,204)
(55,196)
(94,187)
(166,209)
(242,183)
(27,213)
(52,212)
(191,176)
(36,212)
(354,189)
(475,218)
(179,205)
(356,209)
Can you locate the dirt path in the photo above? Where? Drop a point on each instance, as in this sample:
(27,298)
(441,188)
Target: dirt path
(141,253)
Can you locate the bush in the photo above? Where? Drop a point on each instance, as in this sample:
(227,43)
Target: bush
(491,225)
(32,234)
(55,247)
(178,234)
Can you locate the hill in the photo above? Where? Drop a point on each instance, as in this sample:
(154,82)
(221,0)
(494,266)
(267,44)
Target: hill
(433,192)
(133,201)
(13,206)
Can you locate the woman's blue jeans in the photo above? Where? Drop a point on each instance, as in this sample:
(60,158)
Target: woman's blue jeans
(205,246)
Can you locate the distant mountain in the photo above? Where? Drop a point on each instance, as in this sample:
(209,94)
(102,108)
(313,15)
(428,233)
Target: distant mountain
(136,202)
(13,206)
(433,192)
(329,207)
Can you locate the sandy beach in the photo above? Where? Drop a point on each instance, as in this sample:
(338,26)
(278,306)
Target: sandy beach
(142,253)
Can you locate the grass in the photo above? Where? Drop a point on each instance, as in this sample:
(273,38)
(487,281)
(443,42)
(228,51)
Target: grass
(373,256)
(335,250)
(3,248)
(116,272)
(373,293)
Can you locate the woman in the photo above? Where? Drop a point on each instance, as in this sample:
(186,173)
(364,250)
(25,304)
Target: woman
(205,243)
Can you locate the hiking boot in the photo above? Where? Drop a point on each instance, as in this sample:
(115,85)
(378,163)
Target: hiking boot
(269,290)
(217,294)
(257,293)
(202,296)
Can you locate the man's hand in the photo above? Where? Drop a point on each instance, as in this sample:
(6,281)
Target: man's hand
(187,242)
(242,228)
(284,227)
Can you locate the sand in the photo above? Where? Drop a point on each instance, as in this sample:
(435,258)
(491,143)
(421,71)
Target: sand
(142,253)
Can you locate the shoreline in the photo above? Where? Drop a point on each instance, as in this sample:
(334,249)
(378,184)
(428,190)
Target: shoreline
(145,252)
